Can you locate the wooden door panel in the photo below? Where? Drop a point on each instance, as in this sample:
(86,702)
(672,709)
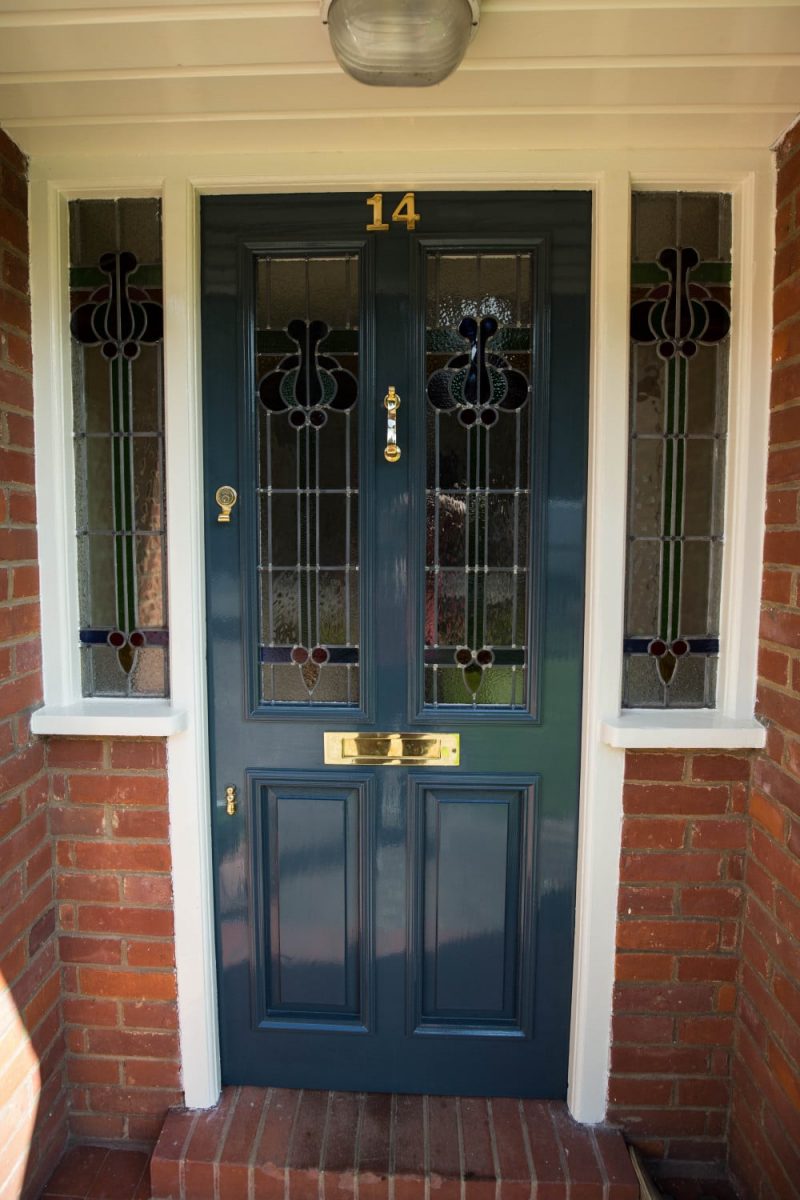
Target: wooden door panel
(474,865)
(312,899)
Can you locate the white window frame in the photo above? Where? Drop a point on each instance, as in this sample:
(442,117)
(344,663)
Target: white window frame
(611,176)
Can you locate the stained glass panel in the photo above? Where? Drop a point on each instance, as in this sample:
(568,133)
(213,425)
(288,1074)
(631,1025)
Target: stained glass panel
(117,336)
(680,324)
(479,351)
(307,352)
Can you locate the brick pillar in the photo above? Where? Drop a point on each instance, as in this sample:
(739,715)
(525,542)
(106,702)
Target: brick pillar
(110,820)
(32,1090)
(765,1113)
(678,937)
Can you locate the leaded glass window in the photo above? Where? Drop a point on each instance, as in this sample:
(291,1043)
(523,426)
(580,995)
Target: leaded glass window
(479,350)
(680,324)
(306,359)
(117,383)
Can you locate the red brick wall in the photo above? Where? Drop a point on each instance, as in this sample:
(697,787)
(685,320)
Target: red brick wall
(765,1115)
(32,1088)
(678,939)
(110,821)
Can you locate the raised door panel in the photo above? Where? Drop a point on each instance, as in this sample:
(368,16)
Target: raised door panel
(311,901)
(473,918)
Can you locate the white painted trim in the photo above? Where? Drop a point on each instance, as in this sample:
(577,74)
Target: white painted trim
(753,246)
(157,13)
(269,117)
(600,823)
(111,718)
(574,62)
(608,173)
(189,782)
(55,463)
(642,729)
(748,441)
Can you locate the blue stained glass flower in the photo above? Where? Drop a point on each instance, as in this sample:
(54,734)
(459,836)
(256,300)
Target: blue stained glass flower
(308,383)
(479,383)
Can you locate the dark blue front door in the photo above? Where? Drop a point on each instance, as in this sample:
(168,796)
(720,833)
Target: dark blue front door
(396,927)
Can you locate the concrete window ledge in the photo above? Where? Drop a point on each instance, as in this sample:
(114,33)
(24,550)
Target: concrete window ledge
(643,729)
(111,718)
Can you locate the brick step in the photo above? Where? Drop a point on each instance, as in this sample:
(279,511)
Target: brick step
(277,1144)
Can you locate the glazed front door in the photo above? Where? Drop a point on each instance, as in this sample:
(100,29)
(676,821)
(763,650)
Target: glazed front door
(400,926)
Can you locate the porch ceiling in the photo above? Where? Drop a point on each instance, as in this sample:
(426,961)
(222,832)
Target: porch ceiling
(185,77)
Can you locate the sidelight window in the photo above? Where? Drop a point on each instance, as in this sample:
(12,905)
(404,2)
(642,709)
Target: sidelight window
(679,328)
(116,325)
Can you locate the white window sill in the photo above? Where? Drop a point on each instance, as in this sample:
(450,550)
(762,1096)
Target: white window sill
(645,729)
(111,718)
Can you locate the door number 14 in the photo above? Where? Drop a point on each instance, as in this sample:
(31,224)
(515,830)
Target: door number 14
(405,213)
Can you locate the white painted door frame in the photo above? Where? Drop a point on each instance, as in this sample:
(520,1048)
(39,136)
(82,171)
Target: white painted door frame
(610,175)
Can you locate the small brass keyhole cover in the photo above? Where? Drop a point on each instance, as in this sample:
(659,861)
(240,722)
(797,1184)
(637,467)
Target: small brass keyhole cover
(225,497)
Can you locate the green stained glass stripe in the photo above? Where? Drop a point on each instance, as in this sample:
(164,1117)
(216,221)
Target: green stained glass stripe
(677,562)
(130,566)
(145,276)
(122,463)
(666,516)
(115,443)
(127,442)
(677,526)
(706,272)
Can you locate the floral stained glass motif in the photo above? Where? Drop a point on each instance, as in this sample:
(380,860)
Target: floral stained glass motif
(680,324)
(479,349)
(306,345)
(117,335)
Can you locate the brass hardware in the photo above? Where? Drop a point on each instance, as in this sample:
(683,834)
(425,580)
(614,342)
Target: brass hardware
(230,800)
(377,224)
(225,497)
(405,213)
(393,749)
(391,402)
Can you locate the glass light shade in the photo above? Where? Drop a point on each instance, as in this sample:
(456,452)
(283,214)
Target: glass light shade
(400,43)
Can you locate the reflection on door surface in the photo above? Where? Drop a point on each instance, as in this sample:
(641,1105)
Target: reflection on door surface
(396,913)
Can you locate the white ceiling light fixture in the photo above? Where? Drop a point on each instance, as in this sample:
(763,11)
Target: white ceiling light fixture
(400,43)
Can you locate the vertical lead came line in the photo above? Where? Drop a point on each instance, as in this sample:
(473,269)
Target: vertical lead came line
(476,550)
(435,318)
(437,483)
(515,501)
(299,564)
(486,479)
(308,566)
(347,538)
(467,497)
(308,468)
(317,436)
(347,490)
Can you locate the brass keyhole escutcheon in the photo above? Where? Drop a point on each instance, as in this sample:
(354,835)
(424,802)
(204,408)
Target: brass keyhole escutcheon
(225,497)
(230,800)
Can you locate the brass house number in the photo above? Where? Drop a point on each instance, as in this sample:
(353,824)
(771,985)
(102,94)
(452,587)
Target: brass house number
(405,213)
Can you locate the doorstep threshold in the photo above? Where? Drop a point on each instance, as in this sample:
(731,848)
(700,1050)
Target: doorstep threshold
(284,1144)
